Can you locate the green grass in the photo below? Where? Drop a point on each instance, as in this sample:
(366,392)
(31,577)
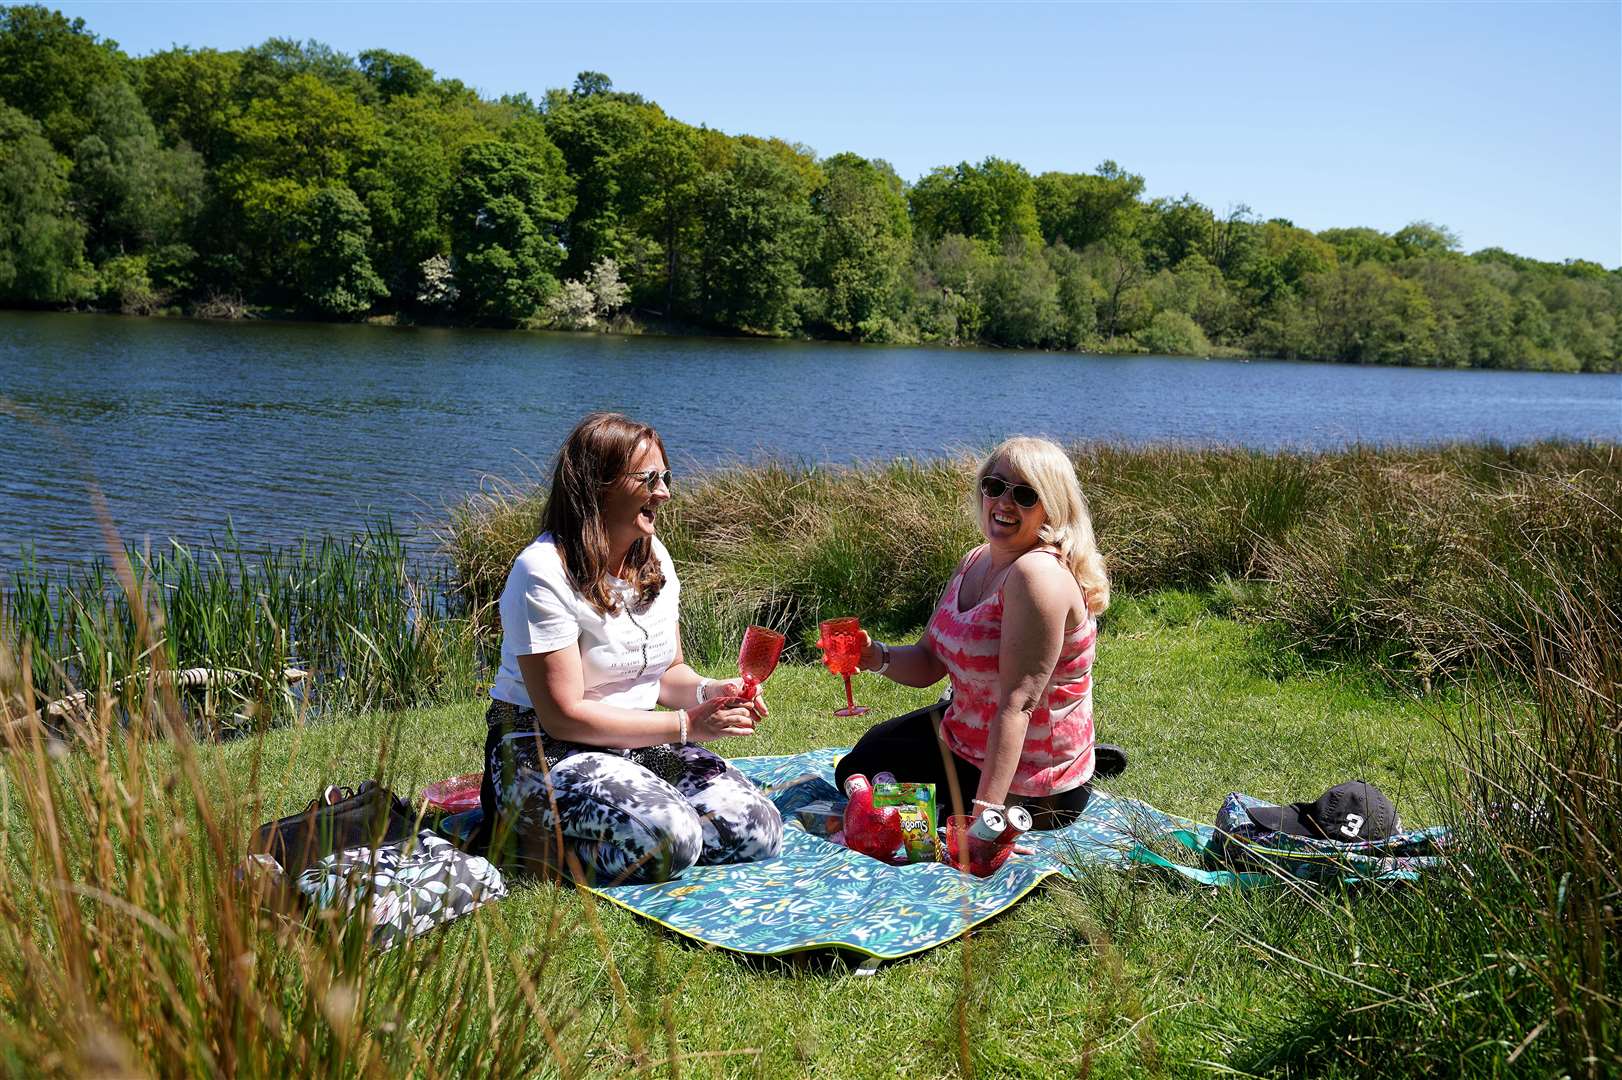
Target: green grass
(1444,623)
(1124,973)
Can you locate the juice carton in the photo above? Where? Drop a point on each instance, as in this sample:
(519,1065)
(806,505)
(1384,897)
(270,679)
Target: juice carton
(916,804)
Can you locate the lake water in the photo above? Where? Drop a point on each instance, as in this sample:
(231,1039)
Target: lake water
(295,429)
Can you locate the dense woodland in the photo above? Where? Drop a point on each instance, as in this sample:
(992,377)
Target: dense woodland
(289,177)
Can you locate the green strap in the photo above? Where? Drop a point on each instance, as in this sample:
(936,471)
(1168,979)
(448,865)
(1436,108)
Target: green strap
(1188,838)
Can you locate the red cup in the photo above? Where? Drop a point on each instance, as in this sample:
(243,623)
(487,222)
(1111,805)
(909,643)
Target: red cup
(970,854)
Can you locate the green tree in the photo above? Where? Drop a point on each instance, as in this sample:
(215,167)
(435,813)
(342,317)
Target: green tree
(192,98)
(1197,289)
(1022,300)
(864,236)
(756,233)
(268,67)
(1368,315)
(1172,333)
(1424,238)
(507,206)
(661,180)
(134,193)
(1079,296)
(288,147)
(599,135)
(1356,245)
(1174,229)
(41,245)
(394,74)
(407,185)
(49,64)
(334,272)
(992,202)
(1081,210)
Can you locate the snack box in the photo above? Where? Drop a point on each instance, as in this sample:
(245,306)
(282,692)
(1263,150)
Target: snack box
(916,802)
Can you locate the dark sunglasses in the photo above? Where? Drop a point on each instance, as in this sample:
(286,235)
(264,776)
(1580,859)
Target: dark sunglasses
(652,478)
(1024,495)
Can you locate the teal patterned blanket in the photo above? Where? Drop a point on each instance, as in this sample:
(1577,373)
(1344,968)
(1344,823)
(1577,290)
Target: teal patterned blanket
(819,894)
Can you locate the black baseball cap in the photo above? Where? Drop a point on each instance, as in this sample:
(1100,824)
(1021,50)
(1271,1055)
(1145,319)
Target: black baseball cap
(1355,810)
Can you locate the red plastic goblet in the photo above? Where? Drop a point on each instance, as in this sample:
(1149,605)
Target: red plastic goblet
(841,645)
(757,658)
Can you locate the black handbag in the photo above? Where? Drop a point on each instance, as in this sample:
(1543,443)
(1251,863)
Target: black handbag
(367,816)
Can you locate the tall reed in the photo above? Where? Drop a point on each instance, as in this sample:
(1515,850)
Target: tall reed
(1510,961)
(130,945)
(354,621)
(1410,559)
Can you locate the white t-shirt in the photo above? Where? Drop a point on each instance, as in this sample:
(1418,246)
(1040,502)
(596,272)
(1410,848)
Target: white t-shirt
(622,655)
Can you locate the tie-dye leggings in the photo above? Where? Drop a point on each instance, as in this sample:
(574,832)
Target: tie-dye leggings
(619,823)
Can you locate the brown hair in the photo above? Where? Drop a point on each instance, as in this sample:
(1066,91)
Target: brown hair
(597,453)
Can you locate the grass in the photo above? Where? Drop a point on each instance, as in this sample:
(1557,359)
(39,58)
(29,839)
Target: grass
(1446,624)
(1114,974)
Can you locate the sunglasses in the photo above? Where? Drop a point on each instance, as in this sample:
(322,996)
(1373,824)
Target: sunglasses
(992,487)
(652,478)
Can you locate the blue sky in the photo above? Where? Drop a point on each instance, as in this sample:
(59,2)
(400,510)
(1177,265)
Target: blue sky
(1501,121)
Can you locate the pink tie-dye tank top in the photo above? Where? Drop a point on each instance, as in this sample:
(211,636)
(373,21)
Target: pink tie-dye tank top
(1058,753)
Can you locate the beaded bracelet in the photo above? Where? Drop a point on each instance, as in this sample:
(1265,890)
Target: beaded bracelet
(681,726)
(988,804)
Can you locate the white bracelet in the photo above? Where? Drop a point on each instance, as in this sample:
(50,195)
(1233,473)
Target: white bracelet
(681,726)
(884,658)
(988,805)
(704,689)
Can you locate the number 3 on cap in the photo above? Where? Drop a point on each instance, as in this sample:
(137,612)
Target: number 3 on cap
(1354,822)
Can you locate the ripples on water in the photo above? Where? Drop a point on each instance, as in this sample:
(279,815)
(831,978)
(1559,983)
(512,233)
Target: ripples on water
(294,429)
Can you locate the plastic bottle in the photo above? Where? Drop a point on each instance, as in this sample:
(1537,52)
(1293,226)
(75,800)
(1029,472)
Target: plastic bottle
(873,831)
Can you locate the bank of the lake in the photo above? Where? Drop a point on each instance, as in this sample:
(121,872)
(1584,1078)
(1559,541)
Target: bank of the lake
(293,429)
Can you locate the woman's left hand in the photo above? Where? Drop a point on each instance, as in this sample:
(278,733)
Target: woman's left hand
(735,688)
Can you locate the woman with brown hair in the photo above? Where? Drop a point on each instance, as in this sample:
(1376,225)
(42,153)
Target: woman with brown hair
(576,747)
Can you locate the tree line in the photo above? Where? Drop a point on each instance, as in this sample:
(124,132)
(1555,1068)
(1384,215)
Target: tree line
(295,177)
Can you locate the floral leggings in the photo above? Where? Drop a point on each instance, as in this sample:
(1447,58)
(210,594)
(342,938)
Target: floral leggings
(624,816)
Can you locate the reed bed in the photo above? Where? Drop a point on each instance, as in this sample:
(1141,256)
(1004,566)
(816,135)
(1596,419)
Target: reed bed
(1416,561)
(345,623)
(131,946)
(1511,964)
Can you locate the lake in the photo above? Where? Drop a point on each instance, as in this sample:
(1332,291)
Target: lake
(291,429)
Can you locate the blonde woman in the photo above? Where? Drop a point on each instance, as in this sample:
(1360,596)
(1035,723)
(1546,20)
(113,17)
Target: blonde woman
(1014,632)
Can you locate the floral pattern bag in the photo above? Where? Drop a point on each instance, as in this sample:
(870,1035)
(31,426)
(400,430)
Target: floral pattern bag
(404,888)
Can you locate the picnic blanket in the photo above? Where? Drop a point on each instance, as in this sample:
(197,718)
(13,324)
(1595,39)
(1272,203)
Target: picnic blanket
(818,894)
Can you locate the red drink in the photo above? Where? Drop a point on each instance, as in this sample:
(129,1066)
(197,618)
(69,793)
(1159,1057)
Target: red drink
(841,645)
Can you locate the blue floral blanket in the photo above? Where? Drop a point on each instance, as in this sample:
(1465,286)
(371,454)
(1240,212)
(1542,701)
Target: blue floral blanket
(818,894)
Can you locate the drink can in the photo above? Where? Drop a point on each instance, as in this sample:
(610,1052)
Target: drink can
(1018,822)
(988,826)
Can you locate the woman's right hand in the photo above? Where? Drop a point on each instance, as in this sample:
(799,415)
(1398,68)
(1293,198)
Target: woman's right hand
(870,656)
(720,718)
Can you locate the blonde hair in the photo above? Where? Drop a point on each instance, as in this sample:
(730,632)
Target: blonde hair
(1069,525)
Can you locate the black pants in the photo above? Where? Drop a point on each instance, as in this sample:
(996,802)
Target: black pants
(909,747)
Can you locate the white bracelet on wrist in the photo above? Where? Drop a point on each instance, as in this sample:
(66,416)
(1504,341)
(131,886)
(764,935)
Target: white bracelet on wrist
(704,689)
(681,725)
